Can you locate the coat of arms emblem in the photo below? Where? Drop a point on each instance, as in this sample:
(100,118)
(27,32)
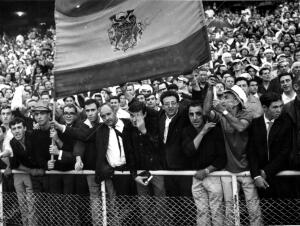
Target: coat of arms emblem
(125,31)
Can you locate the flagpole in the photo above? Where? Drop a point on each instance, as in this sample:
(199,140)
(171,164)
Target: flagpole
(53,115)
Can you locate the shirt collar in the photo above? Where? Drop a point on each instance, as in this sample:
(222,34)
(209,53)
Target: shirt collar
(267,120)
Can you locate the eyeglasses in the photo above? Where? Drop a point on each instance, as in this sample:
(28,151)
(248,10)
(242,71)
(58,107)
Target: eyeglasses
(171,104)
(69,113)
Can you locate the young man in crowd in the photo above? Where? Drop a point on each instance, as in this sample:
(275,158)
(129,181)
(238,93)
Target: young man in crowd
(203,141)
(22,160)
(115,103)
(252,104)
(235,120)
(143,153)
(289,93)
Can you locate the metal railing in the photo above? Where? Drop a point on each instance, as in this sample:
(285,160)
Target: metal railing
(112,212)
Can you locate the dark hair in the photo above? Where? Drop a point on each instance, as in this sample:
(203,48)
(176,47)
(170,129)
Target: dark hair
(263,69)
(253,80)
(242,79)
(15,121)
(5,106)
(150,94)
(137,106)
(120,94)
(269,97)
(114,98)
(285,74)
(169,93)
(45,93)
(68,97)
(173,86)
(196,103)
(92,101)
(70,106)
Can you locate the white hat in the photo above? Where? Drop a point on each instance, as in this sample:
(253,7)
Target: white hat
(269,51)
(239,94)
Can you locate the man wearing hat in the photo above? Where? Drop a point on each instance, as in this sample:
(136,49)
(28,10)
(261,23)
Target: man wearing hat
(235,120)
(237,67)
(41,142)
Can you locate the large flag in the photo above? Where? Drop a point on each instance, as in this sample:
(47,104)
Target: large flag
(100,43)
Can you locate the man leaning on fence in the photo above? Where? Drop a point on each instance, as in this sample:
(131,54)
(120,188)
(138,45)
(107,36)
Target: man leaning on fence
(143,154)
(235,120)
(203,141)
(269,145)
(22,160)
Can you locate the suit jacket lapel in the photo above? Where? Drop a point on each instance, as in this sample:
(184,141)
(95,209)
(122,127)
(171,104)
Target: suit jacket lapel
(274,130)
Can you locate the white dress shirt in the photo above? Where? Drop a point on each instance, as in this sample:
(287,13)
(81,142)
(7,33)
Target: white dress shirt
(167,124)
(114,155)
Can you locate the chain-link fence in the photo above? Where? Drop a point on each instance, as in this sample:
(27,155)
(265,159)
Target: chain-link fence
(58,209)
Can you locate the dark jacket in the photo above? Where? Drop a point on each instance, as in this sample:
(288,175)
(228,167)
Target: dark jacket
(174,157)
(21,155)
(272,159)
(103,169)
(40,147)
(68,160)
(291,109)
(142,149)
(85,146)
(211,150)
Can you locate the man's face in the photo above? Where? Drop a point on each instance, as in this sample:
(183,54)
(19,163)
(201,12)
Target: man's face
(180,84)
(115,104)
(162,88)
(91,112)
(266,75)
(229,101)
(237,66)
(170,105)
(135,116)
(41,89)
(108,115)
(130,90)
(45,99)
(274,110)
(18,131)
(296,70)
(151,101)
(118,90)
(8,94)
(69,100)
(42,117)
(202,76)
(284,67)
(69,115)
(123,101)
(6,116)
(219,88)
(141,98)
(229,82)
(286,83)
(48,85)
(243,84)
(196,116)
(253,87)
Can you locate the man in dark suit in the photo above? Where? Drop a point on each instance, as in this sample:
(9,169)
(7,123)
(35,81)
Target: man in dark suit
(172,120)
(111,153)
(269,145)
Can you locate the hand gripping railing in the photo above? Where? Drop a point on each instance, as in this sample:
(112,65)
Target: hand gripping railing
(160,172)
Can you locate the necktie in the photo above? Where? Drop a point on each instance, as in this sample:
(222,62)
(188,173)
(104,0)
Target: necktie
(119,135)
(270,124)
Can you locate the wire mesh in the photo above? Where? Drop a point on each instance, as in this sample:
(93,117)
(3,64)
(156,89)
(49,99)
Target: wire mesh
(59,209)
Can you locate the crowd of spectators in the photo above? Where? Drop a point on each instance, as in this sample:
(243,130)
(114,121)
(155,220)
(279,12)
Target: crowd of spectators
(239,112)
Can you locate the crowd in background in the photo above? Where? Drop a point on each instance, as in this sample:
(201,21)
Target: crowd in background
(239,112)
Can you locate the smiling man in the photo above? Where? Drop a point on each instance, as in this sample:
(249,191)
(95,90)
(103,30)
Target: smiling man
(286,80)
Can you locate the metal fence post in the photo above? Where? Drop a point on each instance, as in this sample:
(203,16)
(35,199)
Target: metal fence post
(104,210)
(1,201)
(236,207)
